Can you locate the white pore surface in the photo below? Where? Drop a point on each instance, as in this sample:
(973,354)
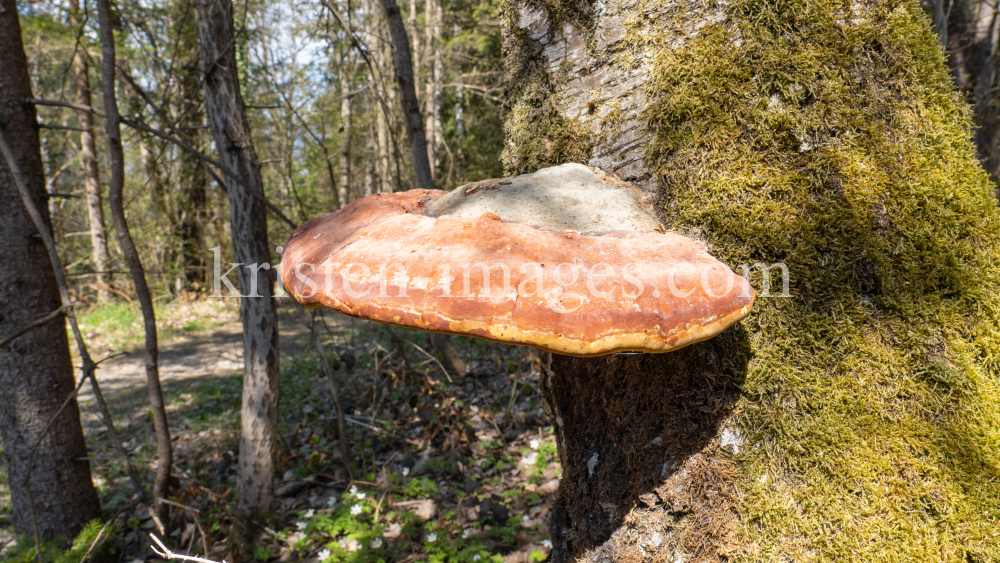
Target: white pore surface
(561,198)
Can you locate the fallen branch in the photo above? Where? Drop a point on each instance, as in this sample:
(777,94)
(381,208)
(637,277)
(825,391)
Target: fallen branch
(435,361)
(168,555)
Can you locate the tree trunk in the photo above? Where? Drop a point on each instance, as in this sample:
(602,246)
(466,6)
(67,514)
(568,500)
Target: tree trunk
(437,139)
(408,96)
(968,29)
(460,130)
(384,173)
(228,122)
(831,143)
(430,19)
(164,450)
(415,50)
(88,158)
(191,193)
(36,373)
(344,186)
(370,162)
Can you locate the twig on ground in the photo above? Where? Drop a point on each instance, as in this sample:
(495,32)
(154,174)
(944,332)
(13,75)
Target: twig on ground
(197,521)
(440,365)
(167,554)
(510,404)
(353,420)
(97,540)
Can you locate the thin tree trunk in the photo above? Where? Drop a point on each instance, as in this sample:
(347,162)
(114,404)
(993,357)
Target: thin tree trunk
(161,206)
(408,96)
(460,130)
(415,49)
(192,180)
(228,122)
(370,162)
(91,172)
(384,173)
(344,187)
(437,139)
(968,29)
(112,127)
(430,24)
(36,372)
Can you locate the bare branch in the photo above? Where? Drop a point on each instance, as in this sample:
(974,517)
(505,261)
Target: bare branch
(168,137)
(435,360)
(58,103)
(60,127)
(168,555)
(39,323)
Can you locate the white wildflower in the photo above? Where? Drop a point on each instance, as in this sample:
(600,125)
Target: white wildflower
(309,514)
(324,555)
(355,510)
(342,542)
(466,533)
(547,544)
(377,543)
(534,444)
(301,525)
(360,495)
(331,502)
(525,519)
(406,471)
(432,537)
(353,491)
(477,557)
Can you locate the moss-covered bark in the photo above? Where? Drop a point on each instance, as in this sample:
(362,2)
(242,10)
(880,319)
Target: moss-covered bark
(826,135)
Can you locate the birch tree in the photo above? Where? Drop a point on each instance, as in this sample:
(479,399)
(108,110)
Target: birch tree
(826,137)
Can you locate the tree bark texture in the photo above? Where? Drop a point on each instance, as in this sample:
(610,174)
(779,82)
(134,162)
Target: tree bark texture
(408,95)
(344,186)
(88,158)
(36,373)
(227,119)
(112,127)
(773,133)
(460,130)
(430,82)
(969,31)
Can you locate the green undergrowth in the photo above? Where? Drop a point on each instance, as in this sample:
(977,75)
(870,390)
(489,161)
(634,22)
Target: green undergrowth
(96,541)
(118,324)
(828,136)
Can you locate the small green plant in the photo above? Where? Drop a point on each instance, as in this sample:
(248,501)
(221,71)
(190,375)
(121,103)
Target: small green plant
(93,534)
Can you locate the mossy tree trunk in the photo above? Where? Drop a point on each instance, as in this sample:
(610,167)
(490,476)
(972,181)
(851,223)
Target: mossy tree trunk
(855,420)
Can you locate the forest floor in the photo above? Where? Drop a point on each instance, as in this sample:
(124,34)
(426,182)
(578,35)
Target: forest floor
(445,468)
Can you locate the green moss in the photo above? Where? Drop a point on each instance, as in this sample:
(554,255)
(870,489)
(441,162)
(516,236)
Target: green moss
(536,134)
(804,132)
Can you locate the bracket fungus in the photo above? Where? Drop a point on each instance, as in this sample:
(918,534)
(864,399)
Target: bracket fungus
(563,259)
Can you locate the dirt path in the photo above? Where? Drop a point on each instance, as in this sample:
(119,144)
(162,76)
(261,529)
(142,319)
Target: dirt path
(204,355)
